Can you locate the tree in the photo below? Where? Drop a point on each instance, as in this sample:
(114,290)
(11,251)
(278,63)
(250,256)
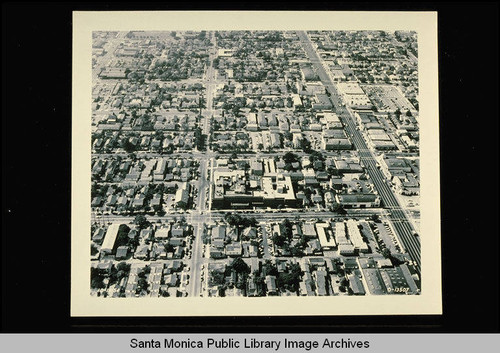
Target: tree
(305,144)
(96,278)
(290,157)
(240,266)
(133,242)
(316,156)
(128,146)
(123,266)
(337,207)
(291,279)
(269,269)
(97,283)
(278,240)
(296,251)
(199,139)
(142,284)
(216,278)
(286,227)
(232,219)
(159,134)
(141,221)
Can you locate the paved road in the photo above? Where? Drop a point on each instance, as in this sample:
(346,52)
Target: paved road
(208,216)
(397,216)
(210,154)
(199,217)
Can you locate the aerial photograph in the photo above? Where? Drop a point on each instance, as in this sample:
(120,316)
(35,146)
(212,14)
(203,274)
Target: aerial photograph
(254,164)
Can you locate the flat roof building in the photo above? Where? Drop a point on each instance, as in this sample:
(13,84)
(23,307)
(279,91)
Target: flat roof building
(326,240)
(110,238)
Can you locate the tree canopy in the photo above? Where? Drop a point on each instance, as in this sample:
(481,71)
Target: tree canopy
(240,266)
(141,221)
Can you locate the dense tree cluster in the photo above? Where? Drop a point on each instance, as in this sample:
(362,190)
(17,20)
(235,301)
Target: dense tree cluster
(199,139)
(122,238)
(236,220)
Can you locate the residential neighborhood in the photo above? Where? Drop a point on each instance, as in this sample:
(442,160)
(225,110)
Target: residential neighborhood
(254,164)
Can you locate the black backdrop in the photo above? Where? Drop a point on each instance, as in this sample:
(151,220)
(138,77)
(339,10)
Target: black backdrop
(36,165)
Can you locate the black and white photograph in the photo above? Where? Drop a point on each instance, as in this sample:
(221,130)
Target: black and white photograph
(246,164)
(290,177)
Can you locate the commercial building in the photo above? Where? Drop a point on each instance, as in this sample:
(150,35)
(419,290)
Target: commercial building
(110,238)
(353,95)
(271,190)
(355,236)
(357,200)
(325,236)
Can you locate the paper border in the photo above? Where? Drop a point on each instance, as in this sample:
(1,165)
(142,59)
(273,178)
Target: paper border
(425,23)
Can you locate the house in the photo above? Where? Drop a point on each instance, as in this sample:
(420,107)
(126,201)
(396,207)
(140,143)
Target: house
(256,168)
(171,280)
(252,288)
(216,252)
(142,252)
(233,234)
(96,201)
(271,285)
(219,232)
(250,232)
(179,252)
(316,197)
(314,245)
(121,252)
(162,233)
(306,288)
(182,196)
(146,234)
(176,242)
(138,201)
(98,235)
(317,262)
(177,230)
(176,265)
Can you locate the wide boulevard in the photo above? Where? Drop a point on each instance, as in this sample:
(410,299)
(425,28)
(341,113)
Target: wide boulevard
(398,217)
